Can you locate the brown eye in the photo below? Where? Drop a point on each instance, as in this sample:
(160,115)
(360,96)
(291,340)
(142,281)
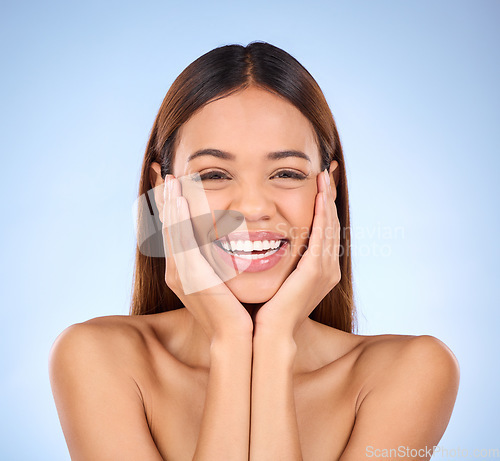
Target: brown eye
(289,174)
(213,176)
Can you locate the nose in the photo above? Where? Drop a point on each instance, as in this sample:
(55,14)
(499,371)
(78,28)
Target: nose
(254,203)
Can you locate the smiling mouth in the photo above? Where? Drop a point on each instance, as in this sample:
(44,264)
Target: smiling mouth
(248,249)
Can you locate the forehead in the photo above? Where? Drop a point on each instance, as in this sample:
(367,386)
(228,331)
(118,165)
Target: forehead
(250,122)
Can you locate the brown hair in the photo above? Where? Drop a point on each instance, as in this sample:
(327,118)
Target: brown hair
(214,75)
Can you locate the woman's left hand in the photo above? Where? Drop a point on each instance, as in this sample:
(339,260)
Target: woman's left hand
(317,272)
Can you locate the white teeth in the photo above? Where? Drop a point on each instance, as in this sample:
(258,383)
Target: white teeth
(248,246)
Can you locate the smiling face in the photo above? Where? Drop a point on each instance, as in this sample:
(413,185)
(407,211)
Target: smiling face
(256,154)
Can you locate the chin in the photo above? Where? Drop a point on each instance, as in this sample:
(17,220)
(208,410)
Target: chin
(251,289)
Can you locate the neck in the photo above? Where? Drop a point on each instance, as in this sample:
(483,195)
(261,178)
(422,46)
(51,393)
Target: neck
(195,349)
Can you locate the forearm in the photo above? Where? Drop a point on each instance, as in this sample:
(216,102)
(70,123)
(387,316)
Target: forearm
(274,431)
(225,425)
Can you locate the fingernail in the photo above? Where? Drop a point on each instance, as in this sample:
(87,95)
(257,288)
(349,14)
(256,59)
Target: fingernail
(165,188)
(178,202)
(327,177)
(170,184)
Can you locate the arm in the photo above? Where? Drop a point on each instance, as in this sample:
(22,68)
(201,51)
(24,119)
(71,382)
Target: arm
(274,430)
(225,426)
(408,406)
(99,404)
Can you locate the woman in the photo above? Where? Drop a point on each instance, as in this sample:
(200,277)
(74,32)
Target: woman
(247,351)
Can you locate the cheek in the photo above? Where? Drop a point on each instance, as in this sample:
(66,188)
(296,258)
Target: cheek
(218,200)
(297,207)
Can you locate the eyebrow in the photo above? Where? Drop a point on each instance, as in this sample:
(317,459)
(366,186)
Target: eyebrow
(228,156)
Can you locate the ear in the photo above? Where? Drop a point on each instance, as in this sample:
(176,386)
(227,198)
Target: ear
(334,172)
(158,186)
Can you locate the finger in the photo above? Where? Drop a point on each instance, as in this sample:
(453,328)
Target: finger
(315,246)
(169,219)
(333,230)
(173,223)
(166,218)
(178,230)
(330,225)
(332,192)
(334,235)
(333,217)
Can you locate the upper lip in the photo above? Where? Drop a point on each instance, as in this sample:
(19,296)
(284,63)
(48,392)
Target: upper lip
(253,236)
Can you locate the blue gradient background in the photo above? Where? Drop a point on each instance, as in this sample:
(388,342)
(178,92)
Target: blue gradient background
(412,87)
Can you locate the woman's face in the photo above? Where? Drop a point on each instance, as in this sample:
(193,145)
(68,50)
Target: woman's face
(257,155)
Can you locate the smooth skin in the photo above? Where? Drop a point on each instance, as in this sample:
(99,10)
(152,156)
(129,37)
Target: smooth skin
(276,384)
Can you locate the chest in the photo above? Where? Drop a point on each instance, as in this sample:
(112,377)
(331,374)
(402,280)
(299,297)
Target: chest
(324,400)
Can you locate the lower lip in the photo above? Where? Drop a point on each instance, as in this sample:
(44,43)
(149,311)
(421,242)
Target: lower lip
(251,265)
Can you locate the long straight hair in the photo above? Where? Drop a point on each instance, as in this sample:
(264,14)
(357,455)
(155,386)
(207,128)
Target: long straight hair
(214,75)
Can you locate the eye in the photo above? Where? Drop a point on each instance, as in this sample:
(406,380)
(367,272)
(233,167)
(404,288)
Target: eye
(289,174)
(214,175)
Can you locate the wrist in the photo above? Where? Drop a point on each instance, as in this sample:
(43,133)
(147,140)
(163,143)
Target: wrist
(273,343)
(232,330)
(227,343)
(267,330)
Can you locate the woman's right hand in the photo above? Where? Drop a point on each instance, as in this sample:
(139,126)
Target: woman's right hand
(190,276)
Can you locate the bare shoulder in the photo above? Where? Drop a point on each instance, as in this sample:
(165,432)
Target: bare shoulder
(409,387)
(134,343)
(383,354)
(93,369)
(114,335)
(96,344)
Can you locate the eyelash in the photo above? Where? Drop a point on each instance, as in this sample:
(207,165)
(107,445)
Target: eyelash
(210,175)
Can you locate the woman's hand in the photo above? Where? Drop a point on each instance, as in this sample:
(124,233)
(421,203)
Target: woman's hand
(317,272)
(192,278)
